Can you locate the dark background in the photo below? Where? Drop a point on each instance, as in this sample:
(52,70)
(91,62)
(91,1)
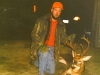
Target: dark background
(17,18)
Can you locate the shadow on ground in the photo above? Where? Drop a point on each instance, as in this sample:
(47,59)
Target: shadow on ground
(15,56)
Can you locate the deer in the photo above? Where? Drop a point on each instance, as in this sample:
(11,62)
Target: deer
(78,64)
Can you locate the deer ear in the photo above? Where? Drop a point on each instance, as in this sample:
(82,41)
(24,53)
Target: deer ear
(73,53)
(61,60)
(86,58)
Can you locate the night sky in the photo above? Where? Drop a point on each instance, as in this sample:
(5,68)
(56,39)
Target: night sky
(17,17)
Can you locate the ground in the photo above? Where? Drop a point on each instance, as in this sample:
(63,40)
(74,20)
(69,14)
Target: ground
(15,56)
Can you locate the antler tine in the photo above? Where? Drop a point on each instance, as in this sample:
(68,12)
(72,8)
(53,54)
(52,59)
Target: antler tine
(85,50)
(72,47)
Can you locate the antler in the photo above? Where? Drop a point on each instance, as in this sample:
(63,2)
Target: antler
(85,50)
(72,47)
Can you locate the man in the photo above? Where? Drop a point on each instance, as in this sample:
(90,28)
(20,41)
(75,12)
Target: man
(48,33)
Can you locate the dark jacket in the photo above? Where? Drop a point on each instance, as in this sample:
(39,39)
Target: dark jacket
(41,31)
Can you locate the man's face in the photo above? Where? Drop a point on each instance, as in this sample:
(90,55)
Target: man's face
(56,12)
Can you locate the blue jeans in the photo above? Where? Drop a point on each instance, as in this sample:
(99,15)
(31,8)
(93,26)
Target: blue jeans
(46,62)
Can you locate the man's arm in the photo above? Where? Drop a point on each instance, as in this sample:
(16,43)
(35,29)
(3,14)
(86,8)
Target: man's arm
(35,38)
(63,36)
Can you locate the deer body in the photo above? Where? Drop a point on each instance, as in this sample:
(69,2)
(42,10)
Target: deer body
(78,65)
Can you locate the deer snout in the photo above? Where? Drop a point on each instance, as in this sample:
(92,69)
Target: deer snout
(73,66)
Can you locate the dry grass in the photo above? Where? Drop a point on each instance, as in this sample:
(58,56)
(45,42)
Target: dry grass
(14,57)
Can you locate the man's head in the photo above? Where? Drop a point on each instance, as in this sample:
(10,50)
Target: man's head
(56,9)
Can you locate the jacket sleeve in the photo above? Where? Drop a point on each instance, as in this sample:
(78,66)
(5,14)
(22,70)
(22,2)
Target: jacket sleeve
(35,36)
(63,34)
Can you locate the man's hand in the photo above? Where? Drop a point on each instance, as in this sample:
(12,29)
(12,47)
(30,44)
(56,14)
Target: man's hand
(40,44)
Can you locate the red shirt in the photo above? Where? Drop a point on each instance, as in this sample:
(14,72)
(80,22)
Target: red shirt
(51,38)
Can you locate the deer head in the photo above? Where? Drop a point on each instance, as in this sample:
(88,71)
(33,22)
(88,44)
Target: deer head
(77,66)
